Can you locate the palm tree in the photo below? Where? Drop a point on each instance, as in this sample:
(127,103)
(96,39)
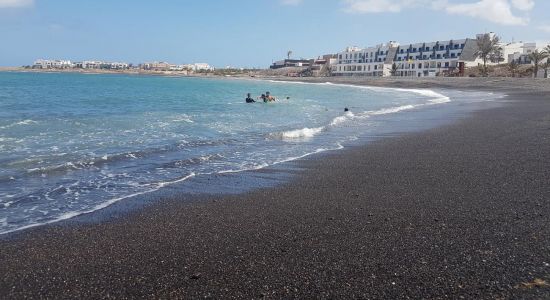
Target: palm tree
(536,58)
(394,69)
(497,55)
(486,48)
(546,65)
(289,53)
(513,67)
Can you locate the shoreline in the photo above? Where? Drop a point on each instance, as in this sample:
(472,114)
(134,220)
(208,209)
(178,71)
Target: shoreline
(126,205)
(344,228)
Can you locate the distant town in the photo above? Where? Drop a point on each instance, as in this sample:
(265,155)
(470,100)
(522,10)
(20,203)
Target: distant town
(105,65)
(483,55)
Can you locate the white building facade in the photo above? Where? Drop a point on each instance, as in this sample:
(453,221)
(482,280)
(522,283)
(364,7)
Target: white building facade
(410,60)
(52,64)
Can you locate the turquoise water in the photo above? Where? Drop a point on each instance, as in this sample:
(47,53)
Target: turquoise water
(75,143)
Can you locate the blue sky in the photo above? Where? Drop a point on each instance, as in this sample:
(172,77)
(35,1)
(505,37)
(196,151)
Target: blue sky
(247,33)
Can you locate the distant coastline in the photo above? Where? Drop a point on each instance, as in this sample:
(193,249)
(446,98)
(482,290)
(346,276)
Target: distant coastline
(103,71)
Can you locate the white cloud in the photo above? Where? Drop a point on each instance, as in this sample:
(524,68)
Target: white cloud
(291,2)
(496,11)
(15,3)
(525,5)
(374,6)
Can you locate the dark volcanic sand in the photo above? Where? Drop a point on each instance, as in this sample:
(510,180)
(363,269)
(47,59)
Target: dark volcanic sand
(458,211)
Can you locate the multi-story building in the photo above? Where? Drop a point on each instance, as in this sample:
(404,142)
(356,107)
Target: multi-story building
(291,63)
(52,64)
(411,60)
(157,66)
(202,67)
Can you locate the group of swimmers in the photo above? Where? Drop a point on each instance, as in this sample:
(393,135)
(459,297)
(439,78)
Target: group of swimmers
(264,97)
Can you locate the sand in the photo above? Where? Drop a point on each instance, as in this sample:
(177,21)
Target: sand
(459,211)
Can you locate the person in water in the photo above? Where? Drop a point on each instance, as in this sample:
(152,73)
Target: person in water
(263,97)
(269,97)
(249,99)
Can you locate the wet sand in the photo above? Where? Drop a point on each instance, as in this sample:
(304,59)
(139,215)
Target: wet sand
(457,211)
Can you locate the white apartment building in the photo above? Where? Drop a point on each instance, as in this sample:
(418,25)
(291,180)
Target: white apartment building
(52,64)
(202,67)
(410,60)
(118,66)
(423,59)
(90,64)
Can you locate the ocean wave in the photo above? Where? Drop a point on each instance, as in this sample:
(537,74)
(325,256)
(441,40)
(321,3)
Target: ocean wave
(436,98)
(301,133)
(391,110)
(72,214)
(24,122)
(342,119)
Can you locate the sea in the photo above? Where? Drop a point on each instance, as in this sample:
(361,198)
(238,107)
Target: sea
(73,144)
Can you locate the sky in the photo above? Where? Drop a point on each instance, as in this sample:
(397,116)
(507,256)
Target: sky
(247,33)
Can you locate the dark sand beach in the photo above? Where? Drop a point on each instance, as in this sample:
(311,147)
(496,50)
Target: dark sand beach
(459,211)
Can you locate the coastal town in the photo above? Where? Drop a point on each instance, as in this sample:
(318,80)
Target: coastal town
(484,54)
(59,64)
(449,58)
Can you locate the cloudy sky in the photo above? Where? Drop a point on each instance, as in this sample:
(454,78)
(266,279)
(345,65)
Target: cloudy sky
(248,33)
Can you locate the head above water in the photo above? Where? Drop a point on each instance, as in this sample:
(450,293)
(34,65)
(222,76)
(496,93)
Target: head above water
(267,93)
(248,95)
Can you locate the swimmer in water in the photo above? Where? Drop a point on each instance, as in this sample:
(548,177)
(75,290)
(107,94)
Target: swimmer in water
(269,97)
(249,99)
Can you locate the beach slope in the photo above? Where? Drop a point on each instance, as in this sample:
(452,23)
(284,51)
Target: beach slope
(462,210)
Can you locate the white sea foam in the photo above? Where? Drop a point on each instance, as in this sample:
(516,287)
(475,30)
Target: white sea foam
(70,215)
(341,119)
(391,110)
(24,122)
(183,118)
(302,133)
(436,98)
(252,168)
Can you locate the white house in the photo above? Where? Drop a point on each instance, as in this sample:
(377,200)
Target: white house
(202,67)
(52,64)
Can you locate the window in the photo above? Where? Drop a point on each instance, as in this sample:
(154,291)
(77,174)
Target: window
(427,48)
(414,49)
(446,64)
(441,48)
(462,46)
(438,56)
(420,66)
